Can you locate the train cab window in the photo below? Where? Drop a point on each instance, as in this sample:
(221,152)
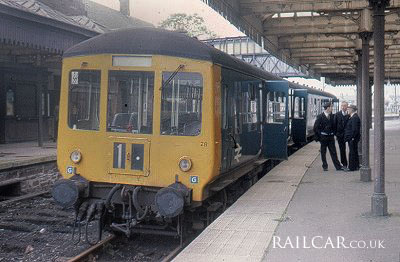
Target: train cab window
(181,104)
(276,108)
(130,102)
(84,100)
(299,107)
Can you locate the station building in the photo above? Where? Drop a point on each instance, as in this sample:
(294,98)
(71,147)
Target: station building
(33,36)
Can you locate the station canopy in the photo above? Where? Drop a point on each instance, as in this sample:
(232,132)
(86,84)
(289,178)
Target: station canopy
(321,37)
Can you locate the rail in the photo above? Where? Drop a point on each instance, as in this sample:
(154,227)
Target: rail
(91,249)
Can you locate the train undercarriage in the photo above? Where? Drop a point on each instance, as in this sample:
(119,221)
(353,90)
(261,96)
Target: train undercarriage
(167,211)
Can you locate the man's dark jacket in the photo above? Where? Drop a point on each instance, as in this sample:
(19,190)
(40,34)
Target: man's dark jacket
(352,130)
(340,123)
(324,125)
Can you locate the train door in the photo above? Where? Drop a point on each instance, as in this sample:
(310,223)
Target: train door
(276,119)
(231,122)
(250,136)
(299,117)
(241,130)
(227,125)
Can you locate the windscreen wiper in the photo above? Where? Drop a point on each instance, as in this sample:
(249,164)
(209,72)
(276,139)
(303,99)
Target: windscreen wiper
(180,67)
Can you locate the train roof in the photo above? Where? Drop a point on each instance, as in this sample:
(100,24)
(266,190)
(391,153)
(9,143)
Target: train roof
(150,41)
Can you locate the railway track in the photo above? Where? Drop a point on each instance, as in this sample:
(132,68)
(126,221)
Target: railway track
(22,197)
(96,250)
(86,253)
(36,230)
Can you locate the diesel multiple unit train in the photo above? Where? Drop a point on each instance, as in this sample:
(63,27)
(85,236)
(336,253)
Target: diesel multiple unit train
(154,123)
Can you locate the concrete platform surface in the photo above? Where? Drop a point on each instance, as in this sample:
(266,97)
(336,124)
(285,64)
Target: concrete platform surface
(23,154)
(334,207)
(244,231)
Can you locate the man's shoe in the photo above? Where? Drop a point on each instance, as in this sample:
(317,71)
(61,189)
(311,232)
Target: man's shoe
(325,168)
(345,169)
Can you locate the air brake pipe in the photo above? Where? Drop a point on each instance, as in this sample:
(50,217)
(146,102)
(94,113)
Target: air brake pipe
(137,205)
(110,195)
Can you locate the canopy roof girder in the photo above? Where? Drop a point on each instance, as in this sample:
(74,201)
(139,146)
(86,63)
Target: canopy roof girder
(273,6)
(327,24)
(309,33)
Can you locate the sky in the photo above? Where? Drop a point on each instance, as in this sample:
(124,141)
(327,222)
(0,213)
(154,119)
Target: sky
(155,11)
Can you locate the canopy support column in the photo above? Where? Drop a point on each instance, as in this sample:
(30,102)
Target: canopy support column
(365,170)
(379,198)
(359,70)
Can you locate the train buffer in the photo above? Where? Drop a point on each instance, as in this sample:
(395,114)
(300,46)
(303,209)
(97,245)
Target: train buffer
(298,212)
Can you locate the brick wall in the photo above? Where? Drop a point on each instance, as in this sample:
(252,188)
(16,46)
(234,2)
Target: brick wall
(37,178)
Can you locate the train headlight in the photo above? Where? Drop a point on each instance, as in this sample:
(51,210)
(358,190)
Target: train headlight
(185,164)
(76,156)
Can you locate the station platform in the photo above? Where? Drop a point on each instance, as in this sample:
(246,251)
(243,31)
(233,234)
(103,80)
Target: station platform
(298,212)
(24,154)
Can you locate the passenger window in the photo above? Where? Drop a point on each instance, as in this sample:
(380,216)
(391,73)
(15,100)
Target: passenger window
(299,107)
(225,107)
(319,106)
(84,100)
(335,107)
(130,102)
(249,110)
(236,101)
(276,107)
(181,104)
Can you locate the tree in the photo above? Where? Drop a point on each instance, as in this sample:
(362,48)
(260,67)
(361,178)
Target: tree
(192,24)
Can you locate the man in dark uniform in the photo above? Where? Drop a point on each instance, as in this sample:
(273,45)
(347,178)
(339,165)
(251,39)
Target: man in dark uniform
(324,130)
(352,137)
(341,119)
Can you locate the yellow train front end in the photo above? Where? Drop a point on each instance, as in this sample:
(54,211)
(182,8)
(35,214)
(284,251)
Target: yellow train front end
(139,135)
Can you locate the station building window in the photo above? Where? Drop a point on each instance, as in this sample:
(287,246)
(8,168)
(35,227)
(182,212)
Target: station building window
(10,102)
(181,104)
(276,108)
(130,102)
(84,100)
(22,100)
